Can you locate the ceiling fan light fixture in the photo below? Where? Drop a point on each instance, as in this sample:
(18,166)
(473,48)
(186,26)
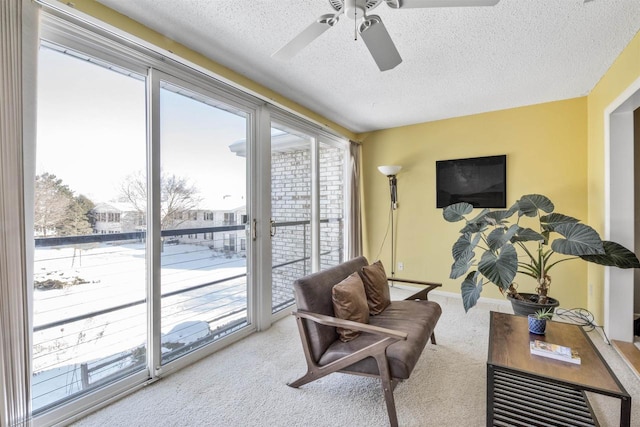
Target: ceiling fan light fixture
(355,9)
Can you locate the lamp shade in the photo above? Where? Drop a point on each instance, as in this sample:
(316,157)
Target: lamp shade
(389,170)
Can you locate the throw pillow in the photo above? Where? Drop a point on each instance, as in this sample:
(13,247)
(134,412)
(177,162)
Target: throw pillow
(350,303)
(376,287)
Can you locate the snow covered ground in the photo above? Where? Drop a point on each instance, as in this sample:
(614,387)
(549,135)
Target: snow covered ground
(108,334)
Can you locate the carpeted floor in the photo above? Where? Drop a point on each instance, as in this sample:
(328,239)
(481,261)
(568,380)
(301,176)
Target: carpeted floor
(245,384)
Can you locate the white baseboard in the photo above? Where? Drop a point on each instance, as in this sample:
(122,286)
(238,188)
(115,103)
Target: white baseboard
(456,298)
(495,304)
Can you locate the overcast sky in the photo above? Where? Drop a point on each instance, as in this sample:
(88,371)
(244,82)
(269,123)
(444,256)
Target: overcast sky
(92,133)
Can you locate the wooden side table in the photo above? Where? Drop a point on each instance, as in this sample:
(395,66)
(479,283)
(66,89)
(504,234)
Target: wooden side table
(528,390)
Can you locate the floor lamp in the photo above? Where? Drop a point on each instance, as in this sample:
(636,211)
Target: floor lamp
(391,172)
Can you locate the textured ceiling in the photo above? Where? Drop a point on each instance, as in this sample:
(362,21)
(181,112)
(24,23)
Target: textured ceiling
(456,61)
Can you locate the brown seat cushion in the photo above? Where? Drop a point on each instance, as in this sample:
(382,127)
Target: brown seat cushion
(376,287)
(350,303)
(417,318)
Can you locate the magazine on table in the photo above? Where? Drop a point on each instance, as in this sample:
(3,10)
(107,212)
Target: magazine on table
(554,351)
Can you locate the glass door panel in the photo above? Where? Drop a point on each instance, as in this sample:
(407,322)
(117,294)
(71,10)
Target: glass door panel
(203,216)
(290,212)
(89,296)
(331,174)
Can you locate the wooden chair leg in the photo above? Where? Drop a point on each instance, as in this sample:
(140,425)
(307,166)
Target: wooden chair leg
(387,387)
(305,379)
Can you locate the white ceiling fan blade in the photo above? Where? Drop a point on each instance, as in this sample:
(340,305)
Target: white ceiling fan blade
(379,43)
(409,4)
(308,35)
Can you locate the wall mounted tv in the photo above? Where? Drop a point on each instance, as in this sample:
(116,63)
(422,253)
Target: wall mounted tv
(480,181)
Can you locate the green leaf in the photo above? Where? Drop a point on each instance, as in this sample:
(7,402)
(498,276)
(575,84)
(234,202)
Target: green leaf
(514,208)
(528,270)
(477,224)
(527,235)
(544,313)
(498,237)
(498,217)
(546,256)
(481,215)
(470,289)
(530,204)
(461,265)
(474,227)
(615,255)
(545,234)
(549,222)
(501,268)
(579,239)
(464,244)
(457,211)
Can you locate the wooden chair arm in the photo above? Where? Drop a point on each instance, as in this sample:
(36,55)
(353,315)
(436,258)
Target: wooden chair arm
(342,323)
(422,293)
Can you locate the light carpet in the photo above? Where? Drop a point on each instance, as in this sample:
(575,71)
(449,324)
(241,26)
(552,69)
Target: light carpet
(245,384)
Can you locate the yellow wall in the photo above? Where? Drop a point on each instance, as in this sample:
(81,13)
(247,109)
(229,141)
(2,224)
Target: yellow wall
(624,71)
(109,16)
(546,148)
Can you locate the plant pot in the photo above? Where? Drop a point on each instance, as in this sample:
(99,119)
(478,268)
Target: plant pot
(537,326)
(530,304)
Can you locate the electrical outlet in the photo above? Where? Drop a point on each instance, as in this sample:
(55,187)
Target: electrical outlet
(400,266)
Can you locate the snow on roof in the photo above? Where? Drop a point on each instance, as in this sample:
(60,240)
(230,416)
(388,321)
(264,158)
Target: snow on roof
(226,204)
(113,207)
(281,142)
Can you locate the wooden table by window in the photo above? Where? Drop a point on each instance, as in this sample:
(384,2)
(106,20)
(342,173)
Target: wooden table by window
(528,390)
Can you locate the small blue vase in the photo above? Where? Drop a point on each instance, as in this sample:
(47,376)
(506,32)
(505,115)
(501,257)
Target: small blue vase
(537,326)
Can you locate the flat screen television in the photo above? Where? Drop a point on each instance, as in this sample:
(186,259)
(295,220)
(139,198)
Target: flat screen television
(480,181)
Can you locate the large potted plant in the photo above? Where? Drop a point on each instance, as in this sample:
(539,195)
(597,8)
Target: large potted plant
(493,247)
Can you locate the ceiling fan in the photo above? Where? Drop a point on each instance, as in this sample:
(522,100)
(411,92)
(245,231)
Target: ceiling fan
(371,29)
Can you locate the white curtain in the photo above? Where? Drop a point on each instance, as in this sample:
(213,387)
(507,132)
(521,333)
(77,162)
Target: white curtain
(355,231)
(18,54)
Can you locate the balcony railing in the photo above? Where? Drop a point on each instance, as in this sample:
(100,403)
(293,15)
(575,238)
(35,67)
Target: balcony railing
(133,235)
(79,346)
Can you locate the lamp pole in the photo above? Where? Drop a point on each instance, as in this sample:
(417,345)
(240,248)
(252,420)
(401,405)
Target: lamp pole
(394,205)
(390,172)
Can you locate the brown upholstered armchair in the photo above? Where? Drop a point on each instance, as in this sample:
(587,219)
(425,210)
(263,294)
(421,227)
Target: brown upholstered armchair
(388,347)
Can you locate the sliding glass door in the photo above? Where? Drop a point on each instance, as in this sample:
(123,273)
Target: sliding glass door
(291,227)
(203,213)
(89,295)
(97,320)
(307,206)
(332,195)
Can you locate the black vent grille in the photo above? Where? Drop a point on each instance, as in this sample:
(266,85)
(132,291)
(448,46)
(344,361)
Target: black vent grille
(521,401)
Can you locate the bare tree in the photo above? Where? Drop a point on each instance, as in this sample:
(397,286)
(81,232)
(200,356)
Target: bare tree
(52,199)
(177,197)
